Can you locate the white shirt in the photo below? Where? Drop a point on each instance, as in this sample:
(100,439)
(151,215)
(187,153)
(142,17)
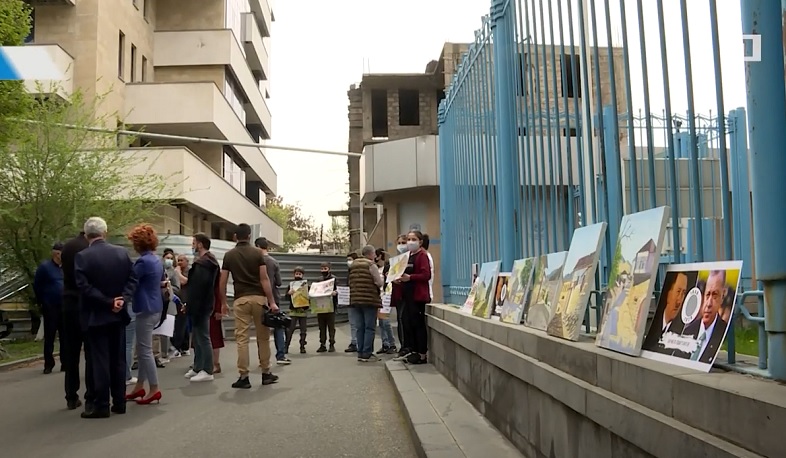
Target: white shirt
(431,281)
(707,331)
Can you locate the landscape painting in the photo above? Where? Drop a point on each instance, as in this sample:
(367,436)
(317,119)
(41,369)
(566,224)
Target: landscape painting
(578,279)
(631,281)
(518,288)
(693,314)
(484,289)
(469,302)
(546,280)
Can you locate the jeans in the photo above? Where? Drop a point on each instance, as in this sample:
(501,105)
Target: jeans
(280,338)
(130,337)
(145,322)
(366,319)
(203,351)
(354,316)
(386,331)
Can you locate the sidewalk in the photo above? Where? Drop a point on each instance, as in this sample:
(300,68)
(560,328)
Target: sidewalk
(324,405)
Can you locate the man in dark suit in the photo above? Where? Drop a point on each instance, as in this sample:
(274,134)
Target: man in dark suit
(73,335)
(667,319)
(104,276)
(711,328)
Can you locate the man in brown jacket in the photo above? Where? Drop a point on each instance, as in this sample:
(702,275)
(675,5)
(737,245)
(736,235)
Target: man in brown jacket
(365,283)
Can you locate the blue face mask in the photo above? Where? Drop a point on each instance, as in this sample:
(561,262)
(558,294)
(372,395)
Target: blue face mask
(402,248)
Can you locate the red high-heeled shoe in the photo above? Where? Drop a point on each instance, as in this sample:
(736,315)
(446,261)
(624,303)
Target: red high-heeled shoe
(135,394)
(156,397)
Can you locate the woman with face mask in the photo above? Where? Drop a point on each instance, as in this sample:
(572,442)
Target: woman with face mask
(396,300)
(415,296)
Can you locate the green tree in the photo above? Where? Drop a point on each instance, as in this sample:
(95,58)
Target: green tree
(337,236)
(298,228)
(56,173)
(14,27)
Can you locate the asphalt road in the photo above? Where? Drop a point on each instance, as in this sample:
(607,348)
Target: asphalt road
(325,405)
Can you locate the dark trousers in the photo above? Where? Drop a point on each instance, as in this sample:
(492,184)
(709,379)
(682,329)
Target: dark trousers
(300,322)
(181,339)
(400,325)
(416,333)
(53,325)
(327,323)
(203,351)
(71,352)
(108,357)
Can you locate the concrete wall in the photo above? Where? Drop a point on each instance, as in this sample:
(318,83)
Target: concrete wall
(555,398)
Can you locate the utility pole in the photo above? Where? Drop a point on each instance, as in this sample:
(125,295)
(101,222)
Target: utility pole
(321,239)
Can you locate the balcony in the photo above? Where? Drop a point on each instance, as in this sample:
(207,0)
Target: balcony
(196,110)
(64,63)
(399,165)
(263,10)
(35,3)
(214,47)
(256,53)
(194,182)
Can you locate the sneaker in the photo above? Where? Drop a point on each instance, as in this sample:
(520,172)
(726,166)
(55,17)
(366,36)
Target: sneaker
(401,357)
(191,373)
(392,351)
(382,350)
(415,358)
(203,376)
(175,354)
(332,349)
(368,359)
(321,349)
(284,362)
(185,353)
(269,378)
(352,348)
(243,383)
(302,350)
(160,363)
(131,381)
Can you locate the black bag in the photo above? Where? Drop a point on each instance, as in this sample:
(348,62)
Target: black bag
(276,320)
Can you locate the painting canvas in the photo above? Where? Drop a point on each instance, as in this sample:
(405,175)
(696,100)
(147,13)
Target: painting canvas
(518,286)
(398,264)
(322,288)
(546,280)
(484,292)
(469,302)
(693,314)
(500,291)
(631,280)
(322,304)
(299,293)
(578,278)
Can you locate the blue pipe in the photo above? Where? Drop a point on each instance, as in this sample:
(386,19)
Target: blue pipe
(767,117)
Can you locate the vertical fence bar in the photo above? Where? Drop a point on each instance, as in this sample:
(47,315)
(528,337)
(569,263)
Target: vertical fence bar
(532,139)
(632,171)
(583,129)
(588,127)
(767,117)
(723,157)
(570,86)
(694,149)
(555,154)
(601,123)
(506,133)
(548,196)
(445,154)
(523,131)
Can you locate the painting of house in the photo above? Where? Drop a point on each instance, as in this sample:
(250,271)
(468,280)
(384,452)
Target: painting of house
(485,289)
(546,280)
(519,286)
(578,277)
(629,296)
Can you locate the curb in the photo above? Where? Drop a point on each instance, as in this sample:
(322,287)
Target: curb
(5,367)
(417,443)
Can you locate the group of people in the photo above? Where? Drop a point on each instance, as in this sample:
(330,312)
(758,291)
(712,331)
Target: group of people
(98,298)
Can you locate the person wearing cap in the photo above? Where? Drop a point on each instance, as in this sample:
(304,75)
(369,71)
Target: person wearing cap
(48,288)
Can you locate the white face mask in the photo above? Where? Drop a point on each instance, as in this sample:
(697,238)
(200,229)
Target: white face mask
(349,263)
(401,248)
(167,263)
(412,245)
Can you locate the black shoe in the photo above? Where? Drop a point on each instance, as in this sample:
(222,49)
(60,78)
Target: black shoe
(302,350)
(62,369)
(382,350)
(414,358)
(47,370)
(135,366)
(269,378)
(159,364)
(321,349)
(242,383)
(351,349)
(332,349)
(392,351)
(99,413)
(119,409)
(73,405)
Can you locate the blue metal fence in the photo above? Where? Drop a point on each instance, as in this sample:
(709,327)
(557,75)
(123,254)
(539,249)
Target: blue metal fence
(553,122)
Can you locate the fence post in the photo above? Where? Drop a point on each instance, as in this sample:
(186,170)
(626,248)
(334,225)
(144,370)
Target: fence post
(767,116)
(446,190)
(740,191)
(503,34)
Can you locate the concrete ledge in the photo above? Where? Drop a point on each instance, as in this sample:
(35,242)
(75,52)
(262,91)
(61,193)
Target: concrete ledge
(443,422)
(661,410)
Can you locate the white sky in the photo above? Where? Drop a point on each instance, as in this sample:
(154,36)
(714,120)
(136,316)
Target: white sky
(321,47)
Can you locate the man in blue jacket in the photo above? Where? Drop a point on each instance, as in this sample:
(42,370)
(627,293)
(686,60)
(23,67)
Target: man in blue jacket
(48,288)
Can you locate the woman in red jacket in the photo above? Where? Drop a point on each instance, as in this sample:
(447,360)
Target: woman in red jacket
(415,296)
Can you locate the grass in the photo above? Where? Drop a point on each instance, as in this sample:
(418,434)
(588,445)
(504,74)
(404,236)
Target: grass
(746,340)
(21,349)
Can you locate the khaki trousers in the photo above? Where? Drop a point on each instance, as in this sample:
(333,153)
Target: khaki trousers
(248,309)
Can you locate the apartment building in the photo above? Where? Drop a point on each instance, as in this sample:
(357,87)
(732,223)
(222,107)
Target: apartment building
(195,68)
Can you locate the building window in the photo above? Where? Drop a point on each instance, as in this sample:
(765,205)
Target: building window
(408,107)
(30,38)
(233,172)
(133,63)
(571,63)
(144,68)
(121,57)
(146,9)
(234,16)
(379,113)
(573,132)
(233,95)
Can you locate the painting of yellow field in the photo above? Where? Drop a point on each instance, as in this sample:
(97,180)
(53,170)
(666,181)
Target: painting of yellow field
(518,288)
(631,280)
(578,279)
